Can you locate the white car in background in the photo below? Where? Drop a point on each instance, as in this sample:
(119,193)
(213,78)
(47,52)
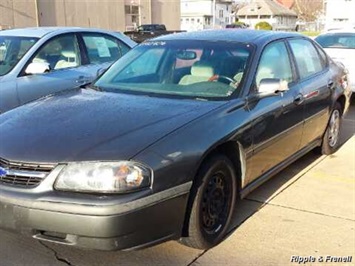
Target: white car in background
(340,46)
(35,62)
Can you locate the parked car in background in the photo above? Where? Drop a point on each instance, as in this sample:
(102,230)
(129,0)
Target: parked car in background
(163,143)
(239,25)
(39,61)
(340,45)
(341,26)
(148,31)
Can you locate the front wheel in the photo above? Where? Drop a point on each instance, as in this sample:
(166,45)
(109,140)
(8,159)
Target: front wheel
(331,136)
(211,204)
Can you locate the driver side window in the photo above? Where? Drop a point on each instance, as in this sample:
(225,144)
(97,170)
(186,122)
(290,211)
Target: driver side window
(60,52)
(274,64)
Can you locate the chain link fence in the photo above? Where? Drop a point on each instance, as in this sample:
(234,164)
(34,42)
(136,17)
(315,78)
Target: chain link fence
(310,26)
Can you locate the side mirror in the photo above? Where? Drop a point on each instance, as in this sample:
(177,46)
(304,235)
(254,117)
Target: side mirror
(272,86)
(37,68)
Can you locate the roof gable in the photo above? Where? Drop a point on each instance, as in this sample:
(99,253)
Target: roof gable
(265,7)
(287,3)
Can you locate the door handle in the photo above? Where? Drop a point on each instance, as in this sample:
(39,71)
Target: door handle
(299,99)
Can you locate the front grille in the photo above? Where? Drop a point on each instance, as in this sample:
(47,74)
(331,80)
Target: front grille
(23,174)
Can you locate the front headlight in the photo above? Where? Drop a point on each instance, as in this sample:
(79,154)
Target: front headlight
(104,177)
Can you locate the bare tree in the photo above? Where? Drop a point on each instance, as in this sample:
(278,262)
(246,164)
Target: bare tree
(236,6)
(308,10)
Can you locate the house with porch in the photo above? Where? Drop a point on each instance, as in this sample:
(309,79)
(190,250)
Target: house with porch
(205,14)
(271,11)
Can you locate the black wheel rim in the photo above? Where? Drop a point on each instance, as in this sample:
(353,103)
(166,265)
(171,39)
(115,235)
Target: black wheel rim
(216,201)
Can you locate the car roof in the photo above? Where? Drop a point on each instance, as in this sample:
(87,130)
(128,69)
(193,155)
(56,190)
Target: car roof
(39,32)
(245,35)
(344,30)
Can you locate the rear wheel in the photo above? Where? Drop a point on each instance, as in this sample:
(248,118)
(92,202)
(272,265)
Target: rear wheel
(331,136)
(211,204)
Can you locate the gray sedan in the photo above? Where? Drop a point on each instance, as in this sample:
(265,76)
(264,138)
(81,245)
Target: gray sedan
(35,62)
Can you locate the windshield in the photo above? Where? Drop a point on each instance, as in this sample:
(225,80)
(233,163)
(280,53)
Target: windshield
(12,49)
(337,40)
(194,69)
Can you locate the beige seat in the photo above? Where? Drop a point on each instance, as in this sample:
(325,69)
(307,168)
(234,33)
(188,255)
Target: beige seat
(200,72)
(238,77)
(69,60)
(39,60)
(264,72)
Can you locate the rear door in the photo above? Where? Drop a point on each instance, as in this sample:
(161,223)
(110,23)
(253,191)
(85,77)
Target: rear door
(101,51)
(316,83)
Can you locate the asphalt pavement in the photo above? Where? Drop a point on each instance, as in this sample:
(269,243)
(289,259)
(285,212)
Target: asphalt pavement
(304,215)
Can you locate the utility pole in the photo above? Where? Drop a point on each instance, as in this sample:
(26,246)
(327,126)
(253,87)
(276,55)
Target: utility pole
(213,13)
(37,13)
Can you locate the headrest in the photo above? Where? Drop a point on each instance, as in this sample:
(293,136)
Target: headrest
(202,69)
(68,54)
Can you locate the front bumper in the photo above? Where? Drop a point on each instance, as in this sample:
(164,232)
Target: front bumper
(94,222)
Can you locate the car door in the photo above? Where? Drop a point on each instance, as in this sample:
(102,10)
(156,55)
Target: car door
(63,55)
(101,51)
(277,119)
(315,84)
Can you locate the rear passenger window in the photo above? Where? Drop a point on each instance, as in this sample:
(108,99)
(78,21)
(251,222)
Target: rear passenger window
(103,48)
(307,58)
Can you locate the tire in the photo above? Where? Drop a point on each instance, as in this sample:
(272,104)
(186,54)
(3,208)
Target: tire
(211,203)
(330,142)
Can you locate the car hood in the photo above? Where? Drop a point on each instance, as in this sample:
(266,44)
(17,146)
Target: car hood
(89,125)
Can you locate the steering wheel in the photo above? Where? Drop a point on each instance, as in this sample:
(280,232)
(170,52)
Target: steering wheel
(222,78)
